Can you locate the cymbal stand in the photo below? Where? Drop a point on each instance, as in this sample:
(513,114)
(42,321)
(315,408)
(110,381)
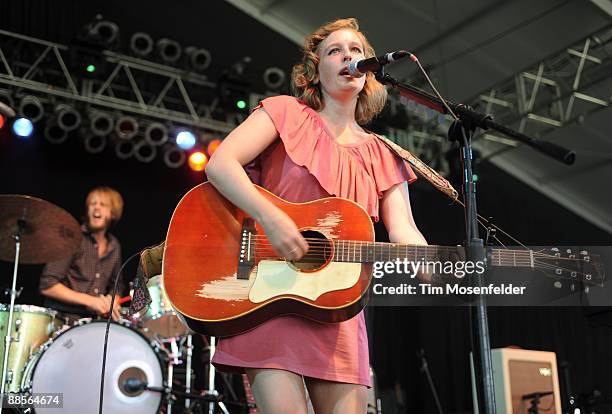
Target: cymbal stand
(21,224)
(211,382)
(189,353)
(173,359)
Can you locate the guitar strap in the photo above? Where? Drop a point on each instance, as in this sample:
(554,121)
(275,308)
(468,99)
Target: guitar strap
(431,175)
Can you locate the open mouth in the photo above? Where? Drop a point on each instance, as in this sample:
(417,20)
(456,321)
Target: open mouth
(344,72)
(97,215)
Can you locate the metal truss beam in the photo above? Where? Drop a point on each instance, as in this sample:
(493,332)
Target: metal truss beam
(557,91)
(100,93)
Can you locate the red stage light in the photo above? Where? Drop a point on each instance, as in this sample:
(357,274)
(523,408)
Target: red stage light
(1,121)
(212,146)
(197,161)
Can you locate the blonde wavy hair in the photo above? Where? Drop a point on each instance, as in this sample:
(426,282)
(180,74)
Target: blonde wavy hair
(116,201)
(305,80)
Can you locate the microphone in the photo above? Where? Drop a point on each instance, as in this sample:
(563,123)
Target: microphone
(360,67)
(133,385)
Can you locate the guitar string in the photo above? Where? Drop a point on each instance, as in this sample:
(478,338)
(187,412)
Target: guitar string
(430,250)
(342,244)
(537,264)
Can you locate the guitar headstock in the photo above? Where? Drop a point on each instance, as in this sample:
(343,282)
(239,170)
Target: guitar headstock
(570,263)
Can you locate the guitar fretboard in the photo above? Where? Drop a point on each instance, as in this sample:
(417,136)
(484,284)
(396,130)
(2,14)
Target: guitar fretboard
(370,252)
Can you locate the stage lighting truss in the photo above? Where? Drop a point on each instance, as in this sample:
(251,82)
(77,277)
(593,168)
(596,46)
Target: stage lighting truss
(556,92)
(32,108)
(101,123)
(55,133)
(119,88)
(126,127)
(68,118)
(156,134)
(145,152)
(141,44)
(198,59)
(274,78)
(174,157)
(124,149)
(169,50)
(94,144)
(6,97)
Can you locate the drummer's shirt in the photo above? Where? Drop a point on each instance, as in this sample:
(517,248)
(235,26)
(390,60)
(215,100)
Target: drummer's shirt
(85,272)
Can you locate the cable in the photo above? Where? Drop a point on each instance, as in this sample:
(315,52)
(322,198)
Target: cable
(108,322)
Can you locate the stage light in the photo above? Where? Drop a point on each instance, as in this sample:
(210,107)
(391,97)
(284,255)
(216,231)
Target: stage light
(101,123)
(174,157)
(6,99)
(54,133)
(212,146)
(169,50)
(94,144)
(241,104)
(99,32)
(274,78)
(67,117)
(156,134)
(23,127)
(197,161)
(126,127)
(90,68)
(186,140)
(144,152)
(198,59)
(124,149)
(1,121)
(31,108)
(141,44)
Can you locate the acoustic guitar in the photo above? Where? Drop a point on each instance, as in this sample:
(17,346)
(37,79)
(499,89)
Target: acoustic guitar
(222,276)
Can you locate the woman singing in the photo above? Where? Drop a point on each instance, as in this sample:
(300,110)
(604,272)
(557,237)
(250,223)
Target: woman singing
(304,148)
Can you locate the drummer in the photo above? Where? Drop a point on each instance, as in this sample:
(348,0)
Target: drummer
(80,285)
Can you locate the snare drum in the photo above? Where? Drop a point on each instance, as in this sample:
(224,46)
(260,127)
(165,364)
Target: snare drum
(32,326)
(160,320)
(71,364)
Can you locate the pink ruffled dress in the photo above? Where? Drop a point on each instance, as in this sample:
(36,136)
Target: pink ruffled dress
(304,165)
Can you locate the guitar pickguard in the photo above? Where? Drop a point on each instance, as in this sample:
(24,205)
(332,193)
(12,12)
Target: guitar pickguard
(275,278)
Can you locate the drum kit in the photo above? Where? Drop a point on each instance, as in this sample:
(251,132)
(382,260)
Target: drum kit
(42,355)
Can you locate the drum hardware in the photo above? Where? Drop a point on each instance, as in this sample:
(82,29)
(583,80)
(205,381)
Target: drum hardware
(48,233)
(7,292)
(159,320)
(32,326)
(57,367)
(189,352)
(424,368)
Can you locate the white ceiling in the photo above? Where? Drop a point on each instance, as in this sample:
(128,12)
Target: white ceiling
(471,45)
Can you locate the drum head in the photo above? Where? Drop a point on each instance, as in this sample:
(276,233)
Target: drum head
(72,364)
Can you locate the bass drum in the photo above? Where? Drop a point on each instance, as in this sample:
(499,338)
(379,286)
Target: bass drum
(71,364)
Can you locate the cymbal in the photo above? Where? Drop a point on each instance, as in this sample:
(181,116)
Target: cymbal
(50,233)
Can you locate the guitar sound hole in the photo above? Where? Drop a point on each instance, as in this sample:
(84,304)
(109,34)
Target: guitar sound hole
(319,251)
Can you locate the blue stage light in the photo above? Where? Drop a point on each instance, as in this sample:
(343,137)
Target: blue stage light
(186,140)
(23,127)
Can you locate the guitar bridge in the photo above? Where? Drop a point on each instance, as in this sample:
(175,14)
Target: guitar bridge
(246,258)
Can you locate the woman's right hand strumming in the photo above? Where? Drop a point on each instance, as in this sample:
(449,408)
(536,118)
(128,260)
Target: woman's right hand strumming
(283,234)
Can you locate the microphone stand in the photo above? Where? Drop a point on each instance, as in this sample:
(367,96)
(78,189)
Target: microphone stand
(462,130)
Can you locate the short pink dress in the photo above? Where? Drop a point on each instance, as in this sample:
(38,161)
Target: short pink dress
(304,165)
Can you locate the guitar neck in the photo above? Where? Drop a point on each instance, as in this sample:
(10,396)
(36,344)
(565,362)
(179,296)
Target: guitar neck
(370,252)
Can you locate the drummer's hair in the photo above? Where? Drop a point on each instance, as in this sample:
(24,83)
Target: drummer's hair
(115,199)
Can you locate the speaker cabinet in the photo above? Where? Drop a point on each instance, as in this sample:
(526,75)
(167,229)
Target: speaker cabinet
(518,373)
